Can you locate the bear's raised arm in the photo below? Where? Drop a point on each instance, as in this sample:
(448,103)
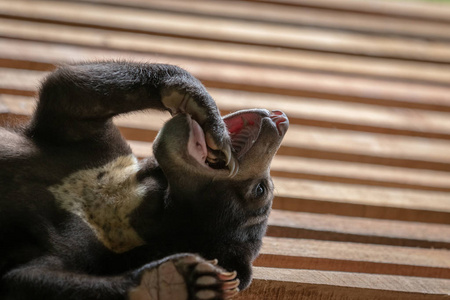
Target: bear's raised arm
(78,101)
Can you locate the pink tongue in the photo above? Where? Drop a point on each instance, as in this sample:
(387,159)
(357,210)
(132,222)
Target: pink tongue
(244,130)
(196,144)
(237,122)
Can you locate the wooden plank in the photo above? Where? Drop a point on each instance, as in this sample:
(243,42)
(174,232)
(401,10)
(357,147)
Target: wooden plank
(390,197)
(251,78)
(376,145)
(329,227)
(362,201)
(21,81)
(413,164)
(202,27)
(300,16)
(417,10)
(358,173)
(354,257)
(289,284)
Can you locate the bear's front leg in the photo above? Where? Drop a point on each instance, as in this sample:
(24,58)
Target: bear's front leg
(183,277)
(77,102)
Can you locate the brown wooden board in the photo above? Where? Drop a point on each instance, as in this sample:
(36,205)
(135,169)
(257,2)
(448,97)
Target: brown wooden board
(354,257)
(330,227)
(290,284)
(301,16)
(415,10)
(231,30)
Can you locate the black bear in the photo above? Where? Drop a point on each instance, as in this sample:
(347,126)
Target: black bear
(82,218)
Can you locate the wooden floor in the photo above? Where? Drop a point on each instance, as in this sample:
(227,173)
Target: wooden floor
(362,206)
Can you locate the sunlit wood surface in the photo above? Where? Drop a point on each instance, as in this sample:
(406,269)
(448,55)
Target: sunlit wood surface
(362,206)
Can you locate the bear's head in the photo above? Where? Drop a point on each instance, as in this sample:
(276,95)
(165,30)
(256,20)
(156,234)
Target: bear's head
(218,203)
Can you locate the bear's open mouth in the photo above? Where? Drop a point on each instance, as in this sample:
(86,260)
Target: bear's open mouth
(244,129)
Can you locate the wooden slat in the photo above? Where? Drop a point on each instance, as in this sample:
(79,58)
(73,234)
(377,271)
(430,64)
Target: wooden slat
(377,145)
(251,78)
(354,257)
(368,174)
(289,284)
(305,189)
(202,27)
(300,16)
(329,227)
(20,82)
(416,10)
(362,201)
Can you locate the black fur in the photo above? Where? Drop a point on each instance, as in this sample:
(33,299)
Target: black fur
(48,252)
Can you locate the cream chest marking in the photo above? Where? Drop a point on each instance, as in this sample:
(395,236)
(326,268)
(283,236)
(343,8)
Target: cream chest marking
(104,198)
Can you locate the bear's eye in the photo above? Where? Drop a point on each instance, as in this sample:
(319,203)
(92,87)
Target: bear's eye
(260,190)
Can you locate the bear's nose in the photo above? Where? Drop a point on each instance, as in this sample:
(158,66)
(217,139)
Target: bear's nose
(281,121)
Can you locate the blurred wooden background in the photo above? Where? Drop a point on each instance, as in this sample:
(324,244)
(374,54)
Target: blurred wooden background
(362,207)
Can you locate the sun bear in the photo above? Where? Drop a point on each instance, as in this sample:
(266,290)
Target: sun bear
(82,218)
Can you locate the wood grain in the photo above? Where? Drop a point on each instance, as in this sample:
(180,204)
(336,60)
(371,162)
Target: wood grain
(354,257)
(287,284)
(329,227)
(415,10)
(302,15)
